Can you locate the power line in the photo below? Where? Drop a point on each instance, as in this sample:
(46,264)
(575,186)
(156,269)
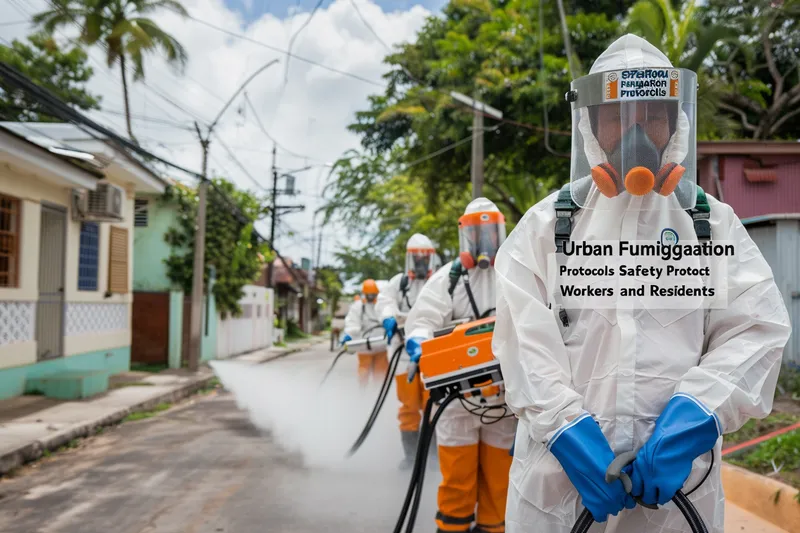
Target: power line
(288,53)
(369,26)
(270,137)
(239,163)
(144,118)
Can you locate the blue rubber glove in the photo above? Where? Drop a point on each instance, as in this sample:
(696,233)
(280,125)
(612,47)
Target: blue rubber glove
(346,338)
(585,454)
(414,348)
(685,430)
(390,325)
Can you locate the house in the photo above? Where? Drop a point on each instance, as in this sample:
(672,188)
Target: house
(761,181)
(66,238)
(161,310)
(295,294)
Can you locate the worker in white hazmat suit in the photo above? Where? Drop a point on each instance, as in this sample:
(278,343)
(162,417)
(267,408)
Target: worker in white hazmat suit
(473,450)
(394,303)
(362,322)
(662,378)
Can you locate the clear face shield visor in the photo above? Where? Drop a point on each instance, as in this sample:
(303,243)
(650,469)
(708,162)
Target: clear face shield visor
(419,262)
(480,236)
(634,139)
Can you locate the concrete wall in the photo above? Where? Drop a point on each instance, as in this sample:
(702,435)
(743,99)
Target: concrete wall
(779,242)
(93,322)
(150,249)
(251,331)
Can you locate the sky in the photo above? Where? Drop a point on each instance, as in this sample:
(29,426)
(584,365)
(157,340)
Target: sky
(305,110)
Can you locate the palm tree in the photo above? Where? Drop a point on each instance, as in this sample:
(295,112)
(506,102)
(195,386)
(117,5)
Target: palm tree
(120,27)
(677,31)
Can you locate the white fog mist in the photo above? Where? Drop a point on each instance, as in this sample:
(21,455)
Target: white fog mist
(285,398)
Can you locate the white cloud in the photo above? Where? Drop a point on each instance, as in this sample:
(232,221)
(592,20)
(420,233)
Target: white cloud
(310,118)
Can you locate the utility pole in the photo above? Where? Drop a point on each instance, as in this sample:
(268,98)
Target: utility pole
(479,109)
(476,168)
(273,212)
(198,270)
(198,267)
(279,209)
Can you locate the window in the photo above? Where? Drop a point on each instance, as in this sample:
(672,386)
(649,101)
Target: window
(89,256)
(140,212)
(118,260)
(9,241)
(247,310)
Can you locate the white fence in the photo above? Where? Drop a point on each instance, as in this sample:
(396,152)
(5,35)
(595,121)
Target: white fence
(253,329)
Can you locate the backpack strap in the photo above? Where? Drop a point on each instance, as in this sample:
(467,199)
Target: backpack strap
(565,210)
(404,290)
(455,273)
(701,213)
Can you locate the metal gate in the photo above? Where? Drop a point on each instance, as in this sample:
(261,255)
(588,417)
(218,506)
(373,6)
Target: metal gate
(50,307)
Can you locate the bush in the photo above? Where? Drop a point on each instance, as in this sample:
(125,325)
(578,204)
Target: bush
(293,330)
(789,382)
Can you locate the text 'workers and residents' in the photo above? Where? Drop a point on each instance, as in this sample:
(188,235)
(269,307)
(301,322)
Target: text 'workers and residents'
(667,252)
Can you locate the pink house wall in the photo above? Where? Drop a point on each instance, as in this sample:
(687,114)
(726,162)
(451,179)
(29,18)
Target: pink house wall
(754,199)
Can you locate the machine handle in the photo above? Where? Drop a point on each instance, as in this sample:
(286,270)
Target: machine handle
(412,371)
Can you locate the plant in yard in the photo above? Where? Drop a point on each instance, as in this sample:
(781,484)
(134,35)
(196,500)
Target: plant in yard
(231,245)
(122,28)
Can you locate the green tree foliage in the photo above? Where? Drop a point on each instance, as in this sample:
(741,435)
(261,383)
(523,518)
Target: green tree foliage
(328,278)
(688,42)
(61,71)
(761,65)
(384,212)
(231,245)
(124,31)
(416,138)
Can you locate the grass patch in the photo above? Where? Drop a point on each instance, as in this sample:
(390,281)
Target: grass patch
(755,428)
(209,387)
(148,367)
(281,344)
(783,451)
(141,415)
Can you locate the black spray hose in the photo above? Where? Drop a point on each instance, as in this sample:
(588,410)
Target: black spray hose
(614,472)
(418,473)
(382,394)
(333,364)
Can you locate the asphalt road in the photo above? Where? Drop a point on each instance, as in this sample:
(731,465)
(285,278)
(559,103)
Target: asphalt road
(205,468)
(270,461)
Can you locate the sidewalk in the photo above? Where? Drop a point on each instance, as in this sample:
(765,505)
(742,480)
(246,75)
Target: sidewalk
(31,425)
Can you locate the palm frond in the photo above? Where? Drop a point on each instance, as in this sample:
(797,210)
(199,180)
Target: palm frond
(169,45)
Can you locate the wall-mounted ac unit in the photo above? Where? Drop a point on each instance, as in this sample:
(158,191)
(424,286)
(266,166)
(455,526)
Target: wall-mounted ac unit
(104,204)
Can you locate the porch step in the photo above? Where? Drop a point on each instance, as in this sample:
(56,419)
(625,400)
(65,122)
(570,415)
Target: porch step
(70,385)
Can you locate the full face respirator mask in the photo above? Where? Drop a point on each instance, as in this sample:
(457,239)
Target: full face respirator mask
(633,134)
(637,153)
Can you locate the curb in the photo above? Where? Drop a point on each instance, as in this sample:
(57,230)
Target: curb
(34,450)
(767,498)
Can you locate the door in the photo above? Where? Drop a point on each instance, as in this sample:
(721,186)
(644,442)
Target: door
(50,307)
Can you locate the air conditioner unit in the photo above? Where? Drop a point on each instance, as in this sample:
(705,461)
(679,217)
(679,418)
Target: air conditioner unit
(104,204)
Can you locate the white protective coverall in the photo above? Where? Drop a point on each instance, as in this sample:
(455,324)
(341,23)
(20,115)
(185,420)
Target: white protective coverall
(362,322)
(473,455)
(623,365)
